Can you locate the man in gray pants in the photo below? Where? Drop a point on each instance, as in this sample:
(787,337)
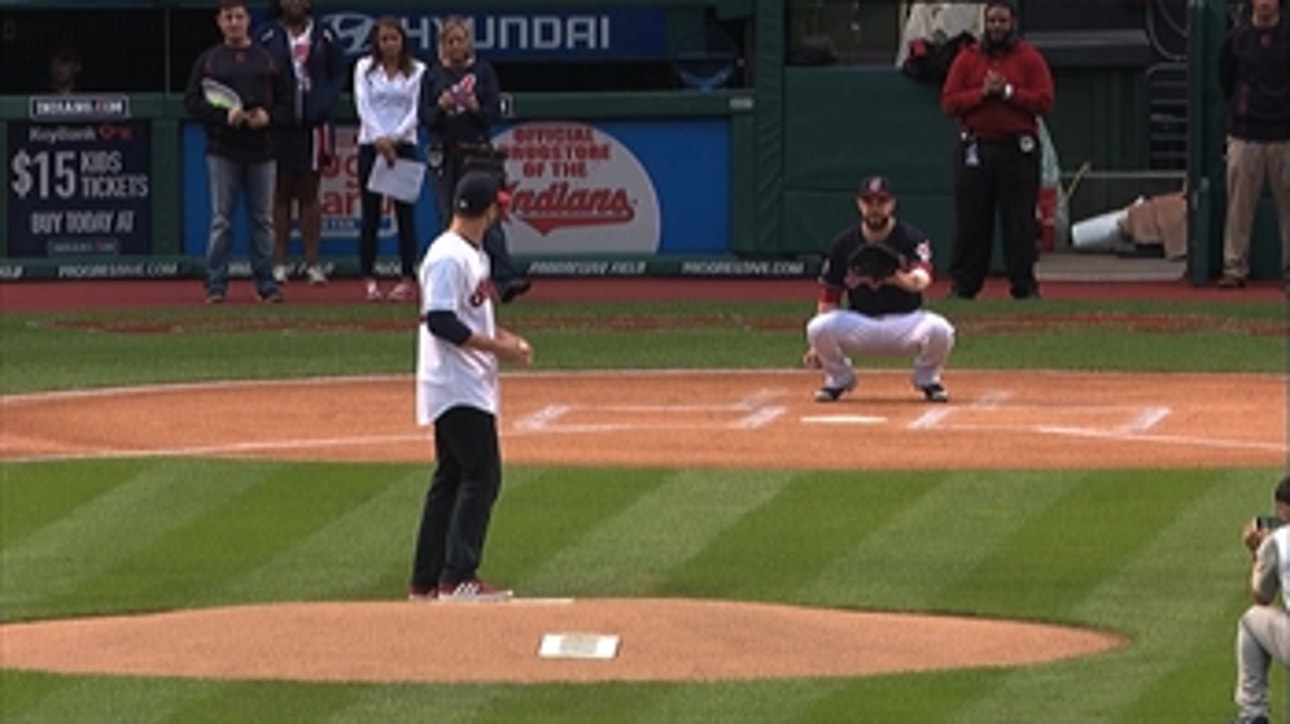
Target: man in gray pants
(1263,632)
(1254,73)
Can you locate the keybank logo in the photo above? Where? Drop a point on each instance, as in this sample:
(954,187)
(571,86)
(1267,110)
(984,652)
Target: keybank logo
(619,33)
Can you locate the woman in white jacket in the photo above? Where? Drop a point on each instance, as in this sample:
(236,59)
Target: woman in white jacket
(387,84)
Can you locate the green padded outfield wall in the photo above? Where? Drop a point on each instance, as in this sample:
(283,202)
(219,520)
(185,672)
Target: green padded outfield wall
(843,123)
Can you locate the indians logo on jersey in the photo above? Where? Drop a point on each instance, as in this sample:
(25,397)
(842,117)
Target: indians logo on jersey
(482,293)
(461,91)
(576,189)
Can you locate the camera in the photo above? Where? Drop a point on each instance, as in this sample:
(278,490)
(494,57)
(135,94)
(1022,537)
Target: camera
(485,159)
(1267,522)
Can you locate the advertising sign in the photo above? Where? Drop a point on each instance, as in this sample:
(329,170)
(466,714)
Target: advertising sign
(575,189)
(79,189)
(623,33)
(79,106)
(339,195)
(617,188)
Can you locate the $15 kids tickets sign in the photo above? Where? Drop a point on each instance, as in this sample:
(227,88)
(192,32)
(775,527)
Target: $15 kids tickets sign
(575,189)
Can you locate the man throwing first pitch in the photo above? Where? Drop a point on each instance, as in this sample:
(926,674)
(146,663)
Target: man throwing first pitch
(459,348)
(882,266)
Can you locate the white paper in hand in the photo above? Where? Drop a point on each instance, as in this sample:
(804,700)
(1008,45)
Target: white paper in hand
(402,181)
(219,95)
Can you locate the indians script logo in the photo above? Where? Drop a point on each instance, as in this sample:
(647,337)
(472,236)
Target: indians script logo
(560,205)
(576,189)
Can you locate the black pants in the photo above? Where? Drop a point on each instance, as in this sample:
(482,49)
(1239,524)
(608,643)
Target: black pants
(459,504)
(1003,181)
(446,177)
(371,218)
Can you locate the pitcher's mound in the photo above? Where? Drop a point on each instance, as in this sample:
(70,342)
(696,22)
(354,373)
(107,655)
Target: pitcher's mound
(660,639)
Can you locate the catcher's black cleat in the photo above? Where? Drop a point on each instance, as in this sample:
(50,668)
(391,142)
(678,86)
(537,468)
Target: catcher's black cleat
(831,394)
(935,392)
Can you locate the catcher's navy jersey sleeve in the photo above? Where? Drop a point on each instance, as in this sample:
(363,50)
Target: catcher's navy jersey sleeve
(912,244)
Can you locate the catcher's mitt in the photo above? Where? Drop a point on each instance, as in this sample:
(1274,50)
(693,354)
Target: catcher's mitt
(875,261)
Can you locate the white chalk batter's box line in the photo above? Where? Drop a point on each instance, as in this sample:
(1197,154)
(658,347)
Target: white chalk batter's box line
(757,410)
(753,411)
(1139,421)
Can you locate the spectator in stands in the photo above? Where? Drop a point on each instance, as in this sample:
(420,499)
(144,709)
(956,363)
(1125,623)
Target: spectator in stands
(1254,73)
(306,144)
(998,90)
(460,100)
(387,85)
(237,90)
(64,67)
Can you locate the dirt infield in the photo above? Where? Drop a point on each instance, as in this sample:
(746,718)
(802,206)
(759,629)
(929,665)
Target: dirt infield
(1005,419)
(683,419)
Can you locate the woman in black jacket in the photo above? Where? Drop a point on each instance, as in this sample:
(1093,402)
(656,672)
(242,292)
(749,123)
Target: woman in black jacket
(460,100)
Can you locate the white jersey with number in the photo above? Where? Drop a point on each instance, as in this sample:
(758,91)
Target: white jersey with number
(454,277)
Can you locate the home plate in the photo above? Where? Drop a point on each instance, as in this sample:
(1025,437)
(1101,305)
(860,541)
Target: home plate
(843,420)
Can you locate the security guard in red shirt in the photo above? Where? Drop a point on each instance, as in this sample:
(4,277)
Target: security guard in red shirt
(997,89)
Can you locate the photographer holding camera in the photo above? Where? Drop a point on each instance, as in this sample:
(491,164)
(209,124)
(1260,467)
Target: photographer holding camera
(1263,632)
(460,100)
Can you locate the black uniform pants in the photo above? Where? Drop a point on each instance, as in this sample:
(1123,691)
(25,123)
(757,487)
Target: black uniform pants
(459,503)
(995,178)
(370,219)
(446,176)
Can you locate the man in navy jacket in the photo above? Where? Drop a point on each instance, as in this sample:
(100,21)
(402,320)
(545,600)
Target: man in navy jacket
(314,64)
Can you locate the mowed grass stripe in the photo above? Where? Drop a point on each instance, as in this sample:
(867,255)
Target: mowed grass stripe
(1179,581)
(933,697)
(22,692)
(97,699)
(364,552)
(783,546)
(769,701)
(553,513)
(33,495)
(187,563)
(936,541)
(1067,548)
(46,571)
(610,702)
(350,555)
(637,551)
(419,702)
(271,701)
(1188,580)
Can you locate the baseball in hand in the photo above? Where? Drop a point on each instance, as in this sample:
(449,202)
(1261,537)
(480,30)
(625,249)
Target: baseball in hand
(1253,534)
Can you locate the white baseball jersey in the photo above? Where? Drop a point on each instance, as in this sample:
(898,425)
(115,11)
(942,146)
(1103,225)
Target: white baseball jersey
(1272,565)
(454,277)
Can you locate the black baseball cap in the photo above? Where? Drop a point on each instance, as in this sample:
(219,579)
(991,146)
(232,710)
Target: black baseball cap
(876,187)
(475,192)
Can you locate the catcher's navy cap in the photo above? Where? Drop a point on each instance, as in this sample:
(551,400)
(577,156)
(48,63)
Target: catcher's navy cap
(475,192)
(876,187)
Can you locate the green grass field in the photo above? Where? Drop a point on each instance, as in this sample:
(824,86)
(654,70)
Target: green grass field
(1153,555)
